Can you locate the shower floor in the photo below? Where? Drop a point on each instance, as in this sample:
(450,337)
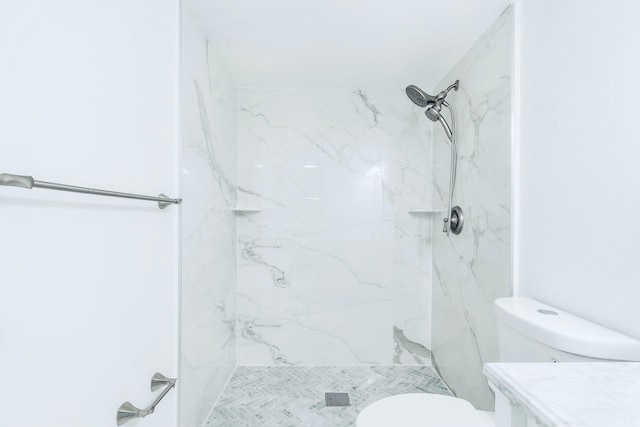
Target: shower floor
(295,396)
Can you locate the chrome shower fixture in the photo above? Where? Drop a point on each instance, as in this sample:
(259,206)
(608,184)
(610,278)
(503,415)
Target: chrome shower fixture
(454,220)
(433,104)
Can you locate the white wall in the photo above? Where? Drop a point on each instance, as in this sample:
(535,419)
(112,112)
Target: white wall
(579,194)
(88,284)
(383,44)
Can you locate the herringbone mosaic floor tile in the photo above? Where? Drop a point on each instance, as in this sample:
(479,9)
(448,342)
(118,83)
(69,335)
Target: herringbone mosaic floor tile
(294,396)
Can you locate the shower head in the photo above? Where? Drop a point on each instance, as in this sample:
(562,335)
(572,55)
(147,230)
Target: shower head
(433,103)
(423,99)
(419,97)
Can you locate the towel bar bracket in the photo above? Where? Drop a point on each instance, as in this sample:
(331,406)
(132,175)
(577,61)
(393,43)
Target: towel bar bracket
(127,412)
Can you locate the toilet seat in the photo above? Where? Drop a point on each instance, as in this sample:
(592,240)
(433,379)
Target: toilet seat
(420,410)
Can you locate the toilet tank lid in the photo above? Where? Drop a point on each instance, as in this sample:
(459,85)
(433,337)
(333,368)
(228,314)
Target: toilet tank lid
(563,331)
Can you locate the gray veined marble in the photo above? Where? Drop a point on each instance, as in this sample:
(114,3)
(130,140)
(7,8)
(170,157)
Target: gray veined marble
(226,187)
(407,348)
(472,269)
(295,396)
(334,254)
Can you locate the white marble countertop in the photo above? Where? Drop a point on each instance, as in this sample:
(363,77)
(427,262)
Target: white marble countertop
(572,394)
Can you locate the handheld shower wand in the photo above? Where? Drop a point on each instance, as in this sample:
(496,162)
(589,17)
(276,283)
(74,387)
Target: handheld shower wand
(434,114)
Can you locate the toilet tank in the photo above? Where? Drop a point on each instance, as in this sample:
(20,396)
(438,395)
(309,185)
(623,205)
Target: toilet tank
(529,331)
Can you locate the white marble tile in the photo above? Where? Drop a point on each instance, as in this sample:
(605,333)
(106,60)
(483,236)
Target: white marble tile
(571,394)
(283,326)
(413,256)
(302,152)
(317,264)
(335,172)
(208,227)
(473,268)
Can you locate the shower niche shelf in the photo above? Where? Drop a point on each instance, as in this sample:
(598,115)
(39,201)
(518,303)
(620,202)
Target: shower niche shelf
(424,210)
(240,210)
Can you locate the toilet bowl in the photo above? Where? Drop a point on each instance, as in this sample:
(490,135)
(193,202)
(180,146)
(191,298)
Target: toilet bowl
(528,331)
(421,410)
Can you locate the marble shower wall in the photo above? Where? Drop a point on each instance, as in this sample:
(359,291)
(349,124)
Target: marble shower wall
(473,268)
(209,226)
(333,270)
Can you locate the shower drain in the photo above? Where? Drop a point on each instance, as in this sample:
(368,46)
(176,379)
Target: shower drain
(336,399)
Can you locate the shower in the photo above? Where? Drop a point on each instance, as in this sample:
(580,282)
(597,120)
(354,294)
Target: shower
(454,220)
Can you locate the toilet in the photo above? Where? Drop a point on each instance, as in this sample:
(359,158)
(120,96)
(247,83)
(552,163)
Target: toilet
(528,331)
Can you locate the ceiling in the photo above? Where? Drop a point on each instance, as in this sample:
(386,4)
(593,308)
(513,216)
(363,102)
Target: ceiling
(343,43)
